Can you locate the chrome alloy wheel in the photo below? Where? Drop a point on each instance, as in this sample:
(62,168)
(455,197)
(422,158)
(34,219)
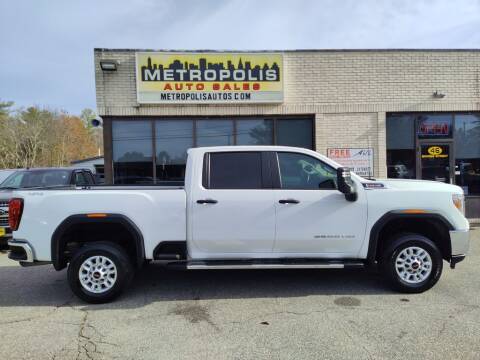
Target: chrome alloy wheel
(97,274)
(413,265)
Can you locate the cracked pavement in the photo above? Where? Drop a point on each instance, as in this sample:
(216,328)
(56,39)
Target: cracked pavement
(254,314)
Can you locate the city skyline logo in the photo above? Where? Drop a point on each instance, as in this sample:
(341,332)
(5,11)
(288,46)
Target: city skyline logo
(204,70)
(209,77)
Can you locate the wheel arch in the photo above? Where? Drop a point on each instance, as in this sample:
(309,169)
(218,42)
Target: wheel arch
(393,218)
(59,240)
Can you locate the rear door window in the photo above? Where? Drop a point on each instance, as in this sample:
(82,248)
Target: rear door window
(234,170)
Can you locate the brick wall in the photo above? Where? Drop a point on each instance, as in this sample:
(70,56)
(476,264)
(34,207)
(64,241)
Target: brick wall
(349,92)
(357,130)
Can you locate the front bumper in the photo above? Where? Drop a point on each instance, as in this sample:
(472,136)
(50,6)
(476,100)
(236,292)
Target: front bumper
(20,251)
(460,241)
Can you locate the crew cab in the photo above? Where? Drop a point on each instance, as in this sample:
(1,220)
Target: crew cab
(243,207)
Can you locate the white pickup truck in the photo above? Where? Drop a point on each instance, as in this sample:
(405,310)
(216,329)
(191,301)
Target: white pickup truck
(243,207)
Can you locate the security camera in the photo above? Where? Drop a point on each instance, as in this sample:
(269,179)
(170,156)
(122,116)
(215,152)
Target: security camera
(97,122)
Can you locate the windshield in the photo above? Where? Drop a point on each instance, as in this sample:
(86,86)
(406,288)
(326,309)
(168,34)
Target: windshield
(5,174)
(36,178)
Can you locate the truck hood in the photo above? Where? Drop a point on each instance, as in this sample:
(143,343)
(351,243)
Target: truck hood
(421,185)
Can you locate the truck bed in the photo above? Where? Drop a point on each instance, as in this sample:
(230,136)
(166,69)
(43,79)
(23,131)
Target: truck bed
(158,210)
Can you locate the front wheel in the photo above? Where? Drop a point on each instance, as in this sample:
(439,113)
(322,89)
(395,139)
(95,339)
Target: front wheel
(99,272)
(412,263)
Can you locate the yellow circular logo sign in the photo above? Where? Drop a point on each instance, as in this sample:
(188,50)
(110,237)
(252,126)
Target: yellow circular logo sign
(435,150)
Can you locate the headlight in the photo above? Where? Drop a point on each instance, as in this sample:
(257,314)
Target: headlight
(459,202)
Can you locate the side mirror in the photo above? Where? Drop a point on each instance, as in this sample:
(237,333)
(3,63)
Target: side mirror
(345,184)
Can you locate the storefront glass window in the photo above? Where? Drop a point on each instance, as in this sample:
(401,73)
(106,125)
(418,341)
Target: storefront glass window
(135,141)
(401,146)
(295,132)
(132,152)
(467,152)
(255,132)
(214,132)
(172,140)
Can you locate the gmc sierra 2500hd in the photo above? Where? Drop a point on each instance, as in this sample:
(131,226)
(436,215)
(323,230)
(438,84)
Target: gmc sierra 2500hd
(243,207)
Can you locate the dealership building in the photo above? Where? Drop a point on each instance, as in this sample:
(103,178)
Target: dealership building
(412,114)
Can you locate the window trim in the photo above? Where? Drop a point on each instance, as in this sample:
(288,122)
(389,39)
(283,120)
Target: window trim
(266,175)
(279,177)
(206,171)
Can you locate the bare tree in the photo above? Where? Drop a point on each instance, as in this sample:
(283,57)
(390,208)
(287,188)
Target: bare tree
(35,137)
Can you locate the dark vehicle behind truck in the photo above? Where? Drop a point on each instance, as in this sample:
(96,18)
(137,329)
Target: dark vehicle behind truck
(37,178)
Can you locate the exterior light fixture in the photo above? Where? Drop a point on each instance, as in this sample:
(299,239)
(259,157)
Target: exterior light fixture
(438,95)
(109,65)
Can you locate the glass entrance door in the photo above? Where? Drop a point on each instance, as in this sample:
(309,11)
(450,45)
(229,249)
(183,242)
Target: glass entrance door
(435,161)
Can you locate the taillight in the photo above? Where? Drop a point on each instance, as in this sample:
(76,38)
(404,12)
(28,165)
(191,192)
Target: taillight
(15,209)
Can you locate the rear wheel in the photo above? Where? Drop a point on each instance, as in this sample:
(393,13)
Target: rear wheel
(99,272)
(412,263)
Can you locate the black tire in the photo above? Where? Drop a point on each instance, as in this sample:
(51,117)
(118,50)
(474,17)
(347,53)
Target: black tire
(110,251)
(398,244)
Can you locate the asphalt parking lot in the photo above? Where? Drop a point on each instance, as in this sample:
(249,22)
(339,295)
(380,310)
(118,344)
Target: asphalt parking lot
(242,315)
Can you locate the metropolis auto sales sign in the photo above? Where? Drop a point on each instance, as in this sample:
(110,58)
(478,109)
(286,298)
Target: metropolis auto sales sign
(203,78)
(359,160)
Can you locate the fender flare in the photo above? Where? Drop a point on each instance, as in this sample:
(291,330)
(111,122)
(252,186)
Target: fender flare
(57,244)
(394,215)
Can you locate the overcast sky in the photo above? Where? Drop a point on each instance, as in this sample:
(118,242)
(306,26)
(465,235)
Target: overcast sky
(46,46)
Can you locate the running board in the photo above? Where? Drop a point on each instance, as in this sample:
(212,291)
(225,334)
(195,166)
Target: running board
(269,264)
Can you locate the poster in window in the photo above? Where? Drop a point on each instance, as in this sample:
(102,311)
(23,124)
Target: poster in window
(360,160)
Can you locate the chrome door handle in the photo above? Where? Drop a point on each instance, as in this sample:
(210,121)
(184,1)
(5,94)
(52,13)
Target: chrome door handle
(289,201)
(207,201)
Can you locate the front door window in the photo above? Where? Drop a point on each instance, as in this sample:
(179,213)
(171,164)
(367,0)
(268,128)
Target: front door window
(299,171)
(435,162)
